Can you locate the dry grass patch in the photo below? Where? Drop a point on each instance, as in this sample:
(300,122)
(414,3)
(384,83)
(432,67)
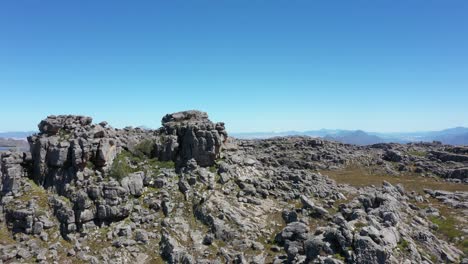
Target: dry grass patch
(360,177)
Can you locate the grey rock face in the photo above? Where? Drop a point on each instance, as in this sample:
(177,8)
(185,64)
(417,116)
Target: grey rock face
(368,252)
(392,155)
(316,210)
(197,137)
(173,252)
(191,116)
(293,237)
(111,194)
(11,171)
(20,220)
(447,156)
(133,183)
(106,152)
(53,124)
(461,173)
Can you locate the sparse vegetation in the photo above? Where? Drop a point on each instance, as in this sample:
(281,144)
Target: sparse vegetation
(120,168)
(447,227)
(126,163)
(89,165)
(450,228)
(359,225)
(338,256)
(64,135)
(5,236)
(358,176)
(417,153)
(144,149)
(403,245)
(163,164)
(38,194)
(213,169)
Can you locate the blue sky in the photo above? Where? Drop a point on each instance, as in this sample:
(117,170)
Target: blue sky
(256,65)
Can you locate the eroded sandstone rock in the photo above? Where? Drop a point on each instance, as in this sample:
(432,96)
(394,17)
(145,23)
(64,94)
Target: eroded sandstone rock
(185,193)
(197,137)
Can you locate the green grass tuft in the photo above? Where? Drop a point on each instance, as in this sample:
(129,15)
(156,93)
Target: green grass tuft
(213,169)
(144,149)
(359,225)
(403,245)
(417,153)
(339,257)
(447,227)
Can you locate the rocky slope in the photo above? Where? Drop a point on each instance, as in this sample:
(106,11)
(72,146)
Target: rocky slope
(187,193)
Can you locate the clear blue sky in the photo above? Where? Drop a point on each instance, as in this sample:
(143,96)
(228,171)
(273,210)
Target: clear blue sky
(258,65)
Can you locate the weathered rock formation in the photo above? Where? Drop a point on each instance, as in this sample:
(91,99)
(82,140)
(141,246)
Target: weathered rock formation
(186,193)
(196,136)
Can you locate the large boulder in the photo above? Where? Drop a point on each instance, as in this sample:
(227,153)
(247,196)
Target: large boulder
(461,173)
(446,156)
(292,237)
(369,252)
(133,183)
(106,152)
(58,154)
(392,155)
(11,171)
(190,116)
(53,124)
(172,251)
(197,137)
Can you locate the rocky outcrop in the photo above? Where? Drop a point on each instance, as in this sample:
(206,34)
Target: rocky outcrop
(461,173)
(12,168)
(197,137)
(391,155)
(71,157)
(186,193)
(447,156)
(52,125)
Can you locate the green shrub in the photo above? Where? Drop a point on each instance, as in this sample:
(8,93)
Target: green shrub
(89,165)
(64,135)
(144,149)
(213,169)
(126,163)
(339,257)
(120,168)
(403,245)
(165,164)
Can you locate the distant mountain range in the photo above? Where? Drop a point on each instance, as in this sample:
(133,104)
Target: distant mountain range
(453,136)
(357,137)
(8,143)
(14,140)
(17,134)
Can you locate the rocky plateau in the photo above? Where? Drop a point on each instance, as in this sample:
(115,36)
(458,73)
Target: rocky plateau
(189,193)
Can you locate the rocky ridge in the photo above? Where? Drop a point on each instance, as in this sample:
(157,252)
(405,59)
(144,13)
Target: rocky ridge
(187,193)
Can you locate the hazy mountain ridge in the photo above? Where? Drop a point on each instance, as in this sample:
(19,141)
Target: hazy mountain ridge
(357,137)
(452,136)
(16,134)
(10,143)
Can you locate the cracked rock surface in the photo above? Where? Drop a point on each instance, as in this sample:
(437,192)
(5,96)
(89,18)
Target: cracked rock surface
(188,193)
